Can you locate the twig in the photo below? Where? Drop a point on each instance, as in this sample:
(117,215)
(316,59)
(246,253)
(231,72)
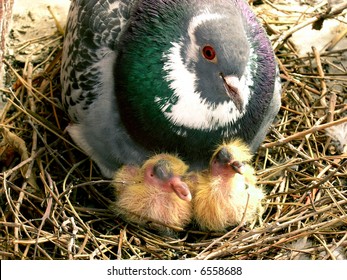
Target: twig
(46,214)
(304,133)
(321,75)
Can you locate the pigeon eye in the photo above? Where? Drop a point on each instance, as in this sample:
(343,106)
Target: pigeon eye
(209,53)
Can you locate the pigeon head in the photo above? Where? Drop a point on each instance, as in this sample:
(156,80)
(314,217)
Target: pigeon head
(164,172)
(229,159)
(217,53)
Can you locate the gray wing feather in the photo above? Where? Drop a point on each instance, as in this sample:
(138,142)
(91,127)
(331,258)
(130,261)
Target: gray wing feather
(89,55)
(92,32)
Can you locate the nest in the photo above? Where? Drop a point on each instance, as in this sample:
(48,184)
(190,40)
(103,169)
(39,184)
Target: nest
(54,202)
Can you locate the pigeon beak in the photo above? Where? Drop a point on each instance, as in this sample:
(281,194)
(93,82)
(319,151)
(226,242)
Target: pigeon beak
(232,86)
(180,188)
(237,166)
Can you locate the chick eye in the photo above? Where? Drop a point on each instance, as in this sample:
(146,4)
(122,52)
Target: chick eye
(209,53)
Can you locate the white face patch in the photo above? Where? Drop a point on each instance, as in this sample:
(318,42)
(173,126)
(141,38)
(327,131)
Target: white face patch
(190,109)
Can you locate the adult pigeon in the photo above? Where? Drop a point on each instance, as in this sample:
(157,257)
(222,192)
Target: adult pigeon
(177,76)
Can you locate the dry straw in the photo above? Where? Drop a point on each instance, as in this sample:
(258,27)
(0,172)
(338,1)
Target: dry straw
(54,203)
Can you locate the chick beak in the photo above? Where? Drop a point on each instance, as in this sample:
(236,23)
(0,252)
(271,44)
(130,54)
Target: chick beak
(180,188)
(237,166)
(232,86)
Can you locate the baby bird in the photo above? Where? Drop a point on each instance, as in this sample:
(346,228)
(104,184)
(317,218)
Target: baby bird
(226,192)
(154,193)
